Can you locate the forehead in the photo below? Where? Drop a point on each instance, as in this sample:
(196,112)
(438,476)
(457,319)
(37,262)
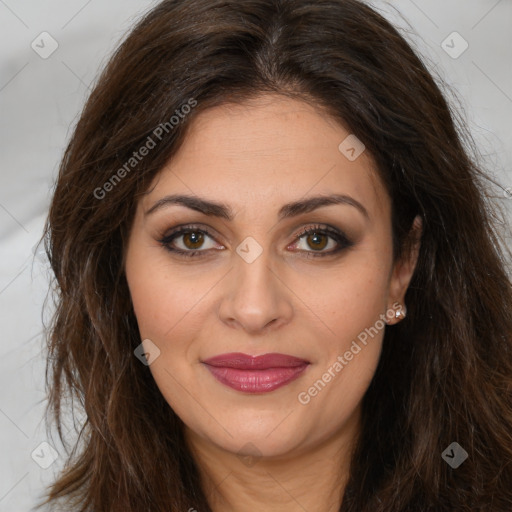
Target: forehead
(270,148)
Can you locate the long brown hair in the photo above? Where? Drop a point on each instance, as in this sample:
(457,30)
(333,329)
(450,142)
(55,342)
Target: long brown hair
(445,373)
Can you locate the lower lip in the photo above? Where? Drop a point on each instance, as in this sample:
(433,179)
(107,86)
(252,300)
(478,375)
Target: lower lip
(256,381)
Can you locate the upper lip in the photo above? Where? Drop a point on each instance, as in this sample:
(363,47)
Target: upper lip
(247,362)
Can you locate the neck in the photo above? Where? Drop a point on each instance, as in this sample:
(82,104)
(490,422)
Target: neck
(311,478)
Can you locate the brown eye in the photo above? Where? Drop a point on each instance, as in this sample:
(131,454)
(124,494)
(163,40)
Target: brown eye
(193,239)
(317,241)
(313,240)
(189,241)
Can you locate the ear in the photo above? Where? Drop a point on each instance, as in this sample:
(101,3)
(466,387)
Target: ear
(403,269)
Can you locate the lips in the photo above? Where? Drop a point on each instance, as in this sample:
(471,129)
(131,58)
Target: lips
(255,374)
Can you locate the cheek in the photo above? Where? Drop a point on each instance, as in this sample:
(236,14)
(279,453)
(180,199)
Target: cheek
(350,351)
(352,308)
(165,306)
(163,299)
(347,299)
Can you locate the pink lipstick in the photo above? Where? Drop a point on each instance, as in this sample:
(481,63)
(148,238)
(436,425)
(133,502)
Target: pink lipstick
(255,374)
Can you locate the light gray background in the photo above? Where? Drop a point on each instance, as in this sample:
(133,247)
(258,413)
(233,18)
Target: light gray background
(40,100)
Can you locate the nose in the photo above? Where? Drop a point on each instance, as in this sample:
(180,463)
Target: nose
(256,297)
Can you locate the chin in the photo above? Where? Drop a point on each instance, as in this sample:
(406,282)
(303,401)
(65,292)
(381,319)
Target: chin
(258,436)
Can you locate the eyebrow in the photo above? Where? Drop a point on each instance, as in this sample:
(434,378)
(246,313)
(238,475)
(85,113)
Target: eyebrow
(215,209)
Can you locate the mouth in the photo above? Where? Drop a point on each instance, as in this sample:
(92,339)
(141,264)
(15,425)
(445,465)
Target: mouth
(255,374)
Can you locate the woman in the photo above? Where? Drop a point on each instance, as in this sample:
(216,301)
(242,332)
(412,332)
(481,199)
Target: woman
(279,283)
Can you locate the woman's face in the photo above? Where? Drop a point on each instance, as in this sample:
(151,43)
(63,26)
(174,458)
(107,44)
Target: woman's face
(257,284)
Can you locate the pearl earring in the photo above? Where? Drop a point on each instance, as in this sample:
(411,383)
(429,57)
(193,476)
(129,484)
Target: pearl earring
(401,313)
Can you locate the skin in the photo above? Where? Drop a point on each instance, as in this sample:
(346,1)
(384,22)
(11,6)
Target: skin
(255,158)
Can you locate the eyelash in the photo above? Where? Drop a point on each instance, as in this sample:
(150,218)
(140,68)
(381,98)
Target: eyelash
(339,237)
